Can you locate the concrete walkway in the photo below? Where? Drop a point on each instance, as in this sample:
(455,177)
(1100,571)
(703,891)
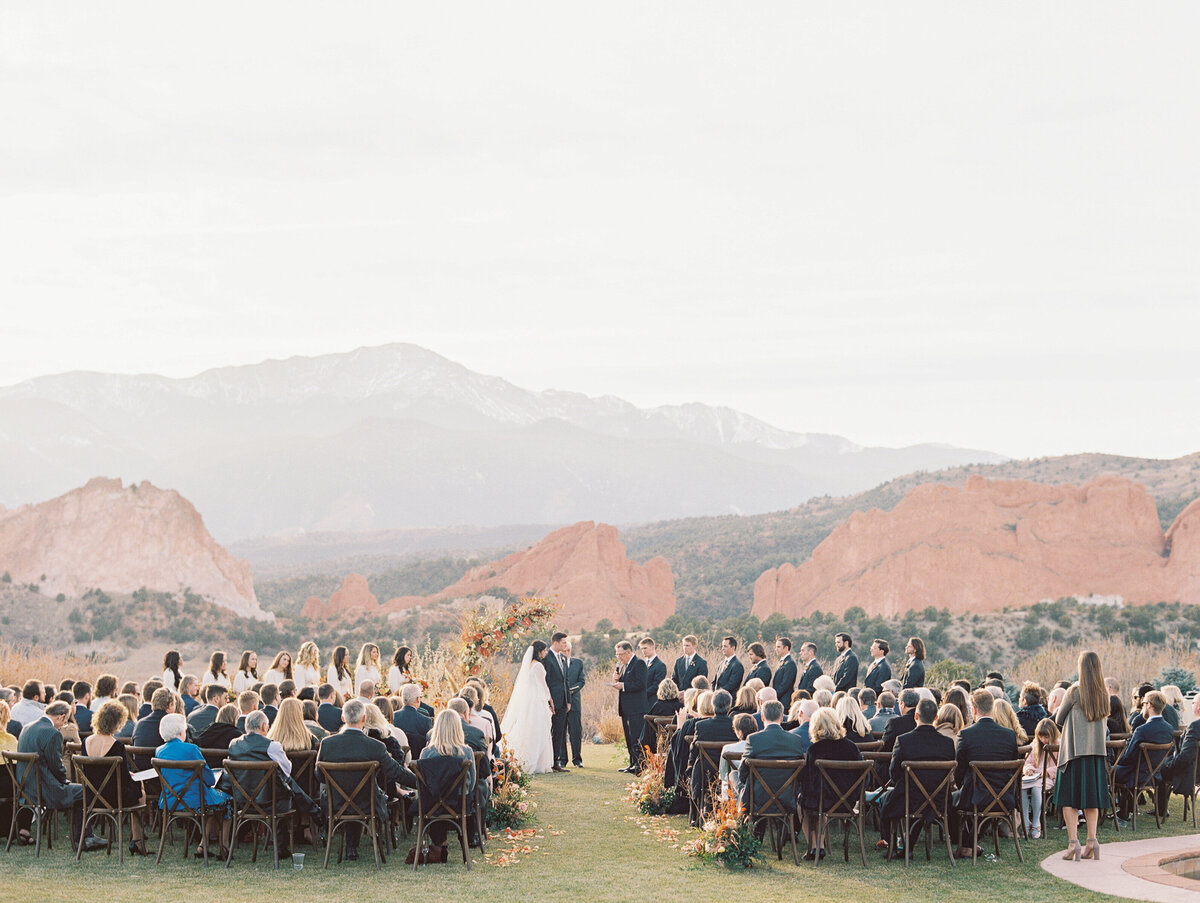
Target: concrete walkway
(1111,876)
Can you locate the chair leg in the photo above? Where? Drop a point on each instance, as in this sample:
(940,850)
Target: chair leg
(235,828)
(162,841)
(374,829)
(1016,840)
(417,848)
(329,832)
(862,840)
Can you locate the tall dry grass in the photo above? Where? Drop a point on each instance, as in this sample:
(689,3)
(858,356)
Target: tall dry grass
(1129,663)
(21,663)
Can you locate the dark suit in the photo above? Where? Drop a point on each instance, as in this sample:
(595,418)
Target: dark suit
(717,729)
(784,681)
(42,738)
(83,718)
(575,681)
(762,671)
(1130,766)
(271,711)
(201,718)
(896,727)
(217,735)
(729,677)
(809,676)
(878,672)
(354,746)
(1176,771)
(983,741)
(416,727)
(631,706)
(1169,713)
(683,673)
(556,681)
(656,673)
(913,675)
(145,733)
(845,670)
(329,716)
(922,744)
(772,742)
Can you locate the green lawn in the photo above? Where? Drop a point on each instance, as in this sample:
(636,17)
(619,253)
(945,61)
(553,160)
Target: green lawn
(600,854)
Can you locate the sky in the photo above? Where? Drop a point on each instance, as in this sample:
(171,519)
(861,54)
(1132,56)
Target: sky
(898,223)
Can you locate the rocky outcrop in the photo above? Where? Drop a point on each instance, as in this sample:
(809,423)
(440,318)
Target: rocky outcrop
(120,538)
(584,566)
(353,595)
(993,544)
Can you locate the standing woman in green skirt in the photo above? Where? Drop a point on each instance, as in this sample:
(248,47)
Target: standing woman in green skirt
(1082,780)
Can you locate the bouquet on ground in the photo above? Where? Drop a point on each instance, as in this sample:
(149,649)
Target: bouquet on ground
(510,805)
(649,790)
(726,838)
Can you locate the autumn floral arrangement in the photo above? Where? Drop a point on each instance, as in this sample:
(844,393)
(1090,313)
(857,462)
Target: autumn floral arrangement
(486,633)
(510,805)
(726,837)
(649,790)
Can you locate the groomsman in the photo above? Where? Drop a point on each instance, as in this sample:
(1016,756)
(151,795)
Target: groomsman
(758,664)
(812,667)
(784,681)
(879,670)
(845,666)
(731,671)
(575,682)
(688,666)
(656,671)
(630,682)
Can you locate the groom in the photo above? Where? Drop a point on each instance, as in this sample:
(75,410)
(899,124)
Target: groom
(556,681)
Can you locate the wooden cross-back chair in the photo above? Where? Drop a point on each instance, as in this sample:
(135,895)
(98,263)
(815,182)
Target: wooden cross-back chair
(849,803)
(104,798)
(355,805)
(18,766)
(1150,757)
(1007,778)
(928,801)
(175,807)
(254,787)
(449,807)
(705,775)
(778,805)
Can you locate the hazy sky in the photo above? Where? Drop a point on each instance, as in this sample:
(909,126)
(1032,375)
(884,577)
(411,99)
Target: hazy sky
(895,222)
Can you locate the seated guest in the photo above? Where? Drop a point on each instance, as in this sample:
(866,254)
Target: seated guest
(258,746)
(146,733)
(106,691)
(765,695)
(717,729)
(743,727)
(9,697)
(69,729)
(807,708)
(8,743)
(983,741)
(1118,723)
(959,698)
(949,721)
(701,683)
(1176,771)
(1055,698)
(828,742)
(677,763)
(104,742)
(1130,770)
(43,737)
(410,719)
(687,708)
(772,742)
(1138,716)
(289,730)
(866,702)
(310,720)
(82,691)
(885,711)
(270,697)
(901,724)
(189,692)
(202,716)
(666,704)
(1039,773)
(287,689)
(745,703)
(248,701)
(858,730)
(474,738)
(352,744)
(382,729)
(130,701)
(446,740)
(1174,698)
(223,731)
(476,718)
(924,743)
(148,694)
(1032,711)
(484,706)
(366,690)
(31,707)
(1006,715)
(175,748)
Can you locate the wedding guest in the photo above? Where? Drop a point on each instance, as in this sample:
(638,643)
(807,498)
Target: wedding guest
(280,670)
(82,691)
(885,712)
(172,670)
(924,743)
(106,691)
(222,732)
(216,673)
(878,671)
(845,666)
(857,729)
(368,666)
(960,699)
(760,670)
(1032,712)
(1130,769)
(824,682)
(784,680)
(1082,780)
(1055,699)
(131,686)
(214,697)
(385,725)
(175,748)
(247,672)
(42,736)
(130,701)
(486,722)
(1045,734)
(716,728)
(289,730)
(366,690)
(147,732)
(8,743)
(913,673)
(69,729)
(746,702)
(828,742)
(983,741)
(248,701)
(949,721)
(270,699)
(259,746)
(103,742)
(446,740)
(743,726)
(409,718)
(339,672)
(1174,697)
(772,742)
(656,670)
(866,702)
(329,714)
(31,707)
(765,695)
(898,726)
(810,668)
(806,709)
(400,672)
(1176,771)
(1117,722)
(1004,715)
(307,670)
(189,693)
(311,722)
(823,698)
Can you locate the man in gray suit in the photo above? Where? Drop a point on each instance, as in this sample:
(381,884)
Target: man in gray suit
(202,717)
(772,742)
(43,738)
(575,682)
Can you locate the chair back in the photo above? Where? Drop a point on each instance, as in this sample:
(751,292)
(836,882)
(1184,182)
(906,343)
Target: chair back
(304,770)
(100,777)
(708,760)
(71,749)
(175,799)
(441,799)
(845,783)
(663,726)
(482,770)
(1150,759)
(881,763)
(349,788)
(876,735)
(214,757)
(19,767)
(927,788)
(254,787)
(778,781)
(866,746)
(999,779)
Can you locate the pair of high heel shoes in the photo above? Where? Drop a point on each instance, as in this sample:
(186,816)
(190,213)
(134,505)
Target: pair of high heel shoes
(1090,851)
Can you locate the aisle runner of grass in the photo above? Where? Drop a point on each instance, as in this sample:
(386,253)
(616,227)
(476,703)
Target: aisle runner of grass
(591,845)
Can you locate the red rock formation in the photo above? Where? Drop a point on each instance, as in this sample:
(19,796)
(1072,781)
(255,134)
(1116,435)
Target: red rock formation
(354,593)
(991,545)
(118,538)
(585,567)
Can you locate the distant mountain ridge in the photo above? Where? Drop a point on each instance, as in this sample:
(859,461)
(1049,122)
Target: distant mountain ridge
(397,436)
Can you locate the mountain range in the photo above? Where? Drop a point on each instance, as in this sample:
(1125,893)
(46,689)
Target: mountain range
(397,436)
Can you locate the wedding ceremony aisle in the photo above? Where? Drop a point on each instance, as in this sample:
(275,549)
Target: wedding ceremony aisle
(590,844)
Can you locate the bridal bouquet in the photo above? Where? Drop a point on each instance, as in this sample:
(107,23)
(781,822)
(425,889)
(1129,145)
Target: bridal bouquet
(649,790)
(726,838)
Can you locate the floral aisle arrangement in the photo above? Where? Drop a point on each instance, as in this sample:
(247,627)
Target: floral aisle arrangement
(726,838)
(649,790)
(510,806)
(486,633)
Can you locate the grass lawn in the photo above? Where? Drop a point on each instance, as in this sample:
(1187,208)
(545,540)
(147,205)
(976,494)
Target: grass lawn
(591,848)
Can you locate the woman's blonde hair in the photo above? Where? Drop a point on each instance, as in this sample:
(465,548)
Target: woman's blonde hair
(847,708)
(1004,715)
(951,716)
(5,713)
(309,655)
(1173,695)
(704,703)
(746,698)
(364,659)
(689,699)
(228,713)
(756,684)
(289,729)
(130,701)
(825,725)
(1093,694)
(447,737)
(1047,731)
(667,690)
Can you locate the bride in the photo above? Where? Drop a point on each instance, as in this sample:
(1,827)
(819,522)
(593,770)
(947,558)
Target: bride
(526,724)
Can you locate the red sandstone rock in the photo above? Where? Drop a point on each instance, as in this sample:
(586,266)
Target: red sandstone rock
(354,593)
(118,539)
(585,567)
(991,545)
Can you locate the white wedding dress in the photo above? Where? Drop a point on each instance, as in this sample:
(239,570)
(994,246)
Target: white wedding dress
(526,722)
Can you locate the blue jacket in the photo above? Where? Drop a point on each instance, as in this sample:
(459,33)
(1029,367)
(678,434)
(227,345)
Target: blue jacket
(180,751)
(1156,730)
